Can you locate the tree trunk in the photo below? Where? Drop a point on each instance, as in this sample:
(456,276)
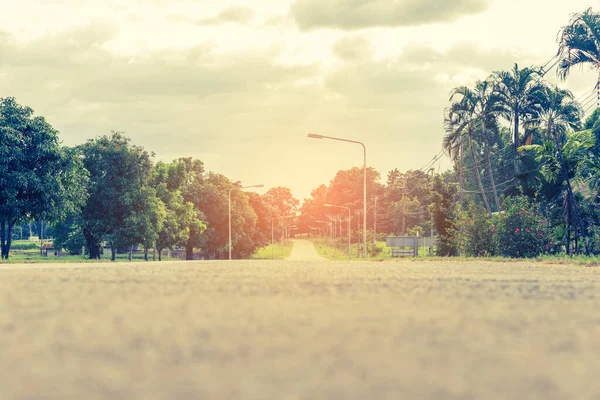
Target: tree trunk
(92,245)
(113,252)
(189,251)
(460,171)
(8,242)
(485,201)
(2,237)
(130,253)
(486,149)
(6,228)
(160,255)
(571,204)
(516,142)
(145,253)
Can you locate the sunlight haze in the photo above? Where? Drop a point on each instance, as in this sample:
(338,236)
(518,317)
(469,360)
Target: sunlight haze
(239,84)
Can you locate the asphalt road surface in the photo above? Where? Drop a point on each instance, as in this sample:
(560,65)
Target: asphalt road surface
(299,330)
(303,250)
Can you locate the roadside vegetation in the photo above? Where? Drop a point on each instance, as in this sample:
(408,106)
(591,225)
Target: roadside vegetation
(525,183)
(278,251)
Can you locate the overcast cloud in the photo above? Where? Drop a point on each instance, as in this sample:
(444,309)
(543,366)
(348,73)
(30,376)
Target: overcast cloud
(240,84)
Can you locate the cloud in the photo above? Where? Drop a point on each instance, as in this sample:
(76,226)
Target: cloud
(352,48)
(235,15)
(195,95)
(358,14)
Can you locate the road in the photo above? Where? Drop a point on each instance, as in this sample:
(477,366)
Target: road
(303,250)
(299,330)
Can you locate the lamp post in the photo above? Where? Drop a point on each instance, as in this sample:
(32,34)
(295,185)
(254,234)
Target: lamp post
(345,208)
(315,136)
(273,235)
(231,190)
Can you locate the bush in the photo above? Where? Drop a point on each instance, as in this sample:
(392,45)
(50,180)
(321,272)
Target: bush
(475,232)
(521,232)
(24,245)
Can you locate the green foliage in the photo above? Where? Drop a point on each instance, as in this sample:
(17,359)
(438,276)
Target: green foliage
(39,179)
(122,209)
(23,245)
(475,232)
(579,42)
(443,212)
(521,231)
(180,216)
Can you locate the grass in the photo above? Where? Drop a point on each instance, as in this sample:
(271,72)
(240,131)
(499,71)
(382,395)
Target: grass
(24,253)
(277,252)
(340,252)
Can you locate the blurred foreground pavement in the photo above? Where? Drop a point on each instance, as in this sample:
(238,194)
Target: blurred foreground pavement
(299,330)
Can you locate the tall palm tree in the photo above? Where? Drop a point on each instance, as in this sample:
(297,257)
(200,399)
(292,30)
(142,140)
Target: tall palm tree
(460,122)
(519,91)
(453,144)
(579,42)
(488,107)
(560,113)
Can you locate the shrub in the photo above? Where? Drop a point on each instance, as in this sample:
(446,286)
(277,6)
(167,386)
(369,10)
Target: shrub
(24,245)
(475,232)
(521,232)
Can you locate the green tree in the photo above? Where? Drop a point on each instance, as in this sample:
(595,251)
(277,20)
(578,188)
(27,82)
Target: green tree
(121,208)
(180,216)
(559,164)
(213,200)
(519,91)
(443,197)
(579,42)
(192,191)
(460,122)
(488,108)
(39,179)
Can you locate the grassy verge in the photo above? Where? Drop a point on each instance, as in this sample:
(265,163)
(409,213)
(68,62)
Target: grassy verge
(340,252)
(33,256)
(277,252)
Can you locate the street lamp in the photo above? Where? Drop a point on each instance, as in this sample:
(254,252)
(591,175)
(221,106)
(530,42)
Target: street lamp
(231,190)
(315,136)
(273,236)
(346,208)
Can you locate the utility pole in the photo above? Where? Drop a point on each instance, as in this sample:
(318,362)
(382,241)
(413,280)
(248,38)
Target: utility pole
(375,223)
(404,207)
(358,232)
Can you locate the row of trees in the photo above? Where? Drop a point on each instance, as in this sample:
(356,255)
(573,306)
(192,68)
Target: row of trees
(109,192)
(519,145)
(516,129)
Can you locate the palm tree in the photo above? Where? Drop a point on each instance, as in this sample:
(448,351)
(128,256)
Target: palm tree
(460,122)
(518,90)
(579,42)
(488,107)
(560,113)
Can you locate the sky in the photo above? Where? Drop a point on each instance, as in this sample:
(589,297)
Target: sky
(240,84)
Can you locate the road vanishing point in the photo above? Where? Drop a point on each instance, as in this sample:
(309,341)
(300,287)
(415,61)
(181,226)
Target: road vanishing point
(299,329)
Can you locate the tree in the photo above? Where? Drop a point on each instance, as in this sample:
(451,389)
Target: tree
(213,200)
(192,190)
(559,165)
(489,107)
(460,121)
(579,42)
(282,199)
(519,91)
(39,179)
(180,216)
(443,213)
(121,208)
